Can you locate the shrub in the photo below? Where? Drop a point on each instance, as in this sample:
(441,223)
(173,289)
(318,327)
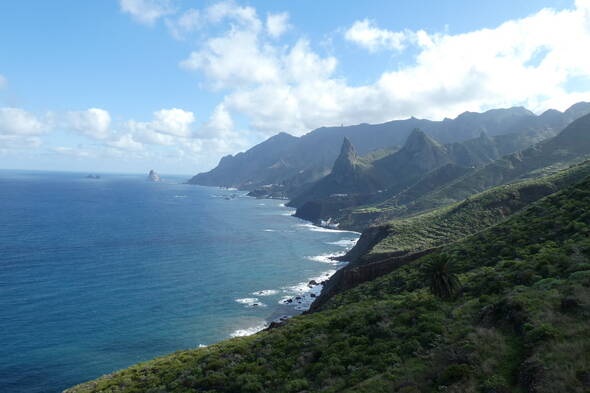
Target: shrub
(582,277)
(444,284)
(296,385)
(454,373)
(494,384)
(536,334)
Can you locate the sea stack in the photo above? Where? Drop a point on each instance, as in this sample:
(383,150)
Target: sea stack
(153,176)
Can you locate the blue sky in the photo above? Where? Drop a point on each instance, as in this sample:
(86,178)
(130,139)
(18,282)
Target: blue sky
(129,85)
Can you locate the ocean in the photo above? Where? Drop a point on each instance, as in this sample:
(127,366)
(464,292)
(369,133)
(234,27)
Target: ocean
(99,274)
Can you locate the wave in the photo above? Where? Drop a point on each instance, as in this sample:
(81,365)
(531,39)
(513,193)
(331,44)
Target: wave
(302,295)
(346,243)
(270,230)
(266,292)
(249,331)
(315,228)
(251,302)
(326,258)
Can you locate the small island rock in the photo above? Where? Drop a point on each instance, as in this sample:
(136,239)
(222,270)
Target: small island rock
(153,176)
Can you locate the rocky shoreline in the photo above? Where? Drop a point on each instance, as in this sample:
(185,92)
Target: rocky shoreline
(303,301)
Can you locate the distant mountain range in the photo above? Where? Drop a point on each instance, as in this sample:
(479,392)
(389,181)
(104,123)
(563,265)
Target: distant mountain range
(424,175)
(285,166)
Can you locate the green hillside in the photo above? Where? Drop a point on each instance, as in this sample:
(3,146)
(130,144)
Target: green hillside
(445,186)
(447,224)
(519,323)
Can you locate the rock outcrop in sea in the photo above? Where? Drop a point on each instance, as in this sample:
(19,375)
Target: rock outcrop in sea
(154,177)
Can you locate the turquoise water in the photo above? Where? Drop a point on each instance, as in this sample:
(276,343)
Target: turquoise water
(96,275)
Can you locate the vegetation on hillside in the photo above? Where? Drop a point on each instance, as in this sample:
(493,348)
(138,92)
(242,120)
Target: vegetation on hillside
(451,223)
(519,323)
(446,185)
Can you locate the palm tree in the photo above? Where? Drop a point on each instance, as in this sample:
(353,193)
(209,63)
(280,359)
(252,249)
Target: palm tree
(443,283)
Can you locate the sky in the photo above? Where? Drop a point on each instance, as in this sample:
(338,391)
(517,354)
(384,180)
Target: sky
(174,85)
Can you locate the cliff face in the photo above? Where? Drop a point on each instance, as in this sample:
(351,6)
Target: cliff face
(356,274)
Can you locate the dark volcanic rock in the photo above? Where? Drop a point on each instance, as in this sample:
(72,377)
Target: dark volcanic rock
(153,177)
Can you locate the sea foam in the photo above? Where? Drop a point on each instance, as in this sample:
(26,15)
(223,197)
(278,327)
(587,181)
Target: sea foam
(251,302)
(346,243)
(248,331)
(326,258)
(316,228)
(266,292)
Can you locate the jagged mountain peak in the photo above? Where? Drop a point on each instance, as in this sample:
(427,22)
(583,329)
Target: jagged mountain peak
(347,147)
(418,140)
(347,159)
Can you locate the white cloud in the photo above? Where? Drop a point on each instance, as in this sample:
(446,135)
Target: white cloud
(235,59)
(19,142)
(142,133)
(2,81)
(125,142)
(166,126)
(367,35)
(73,152)
(220,124)
(525,61)
(277,24)
(245,16)
(147,11)
(93,122)
(173,121)
(189,22)
(278,87)
(16,121)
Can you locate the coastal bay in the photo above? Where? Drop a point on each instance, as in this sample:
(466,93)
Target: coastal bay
(100,274)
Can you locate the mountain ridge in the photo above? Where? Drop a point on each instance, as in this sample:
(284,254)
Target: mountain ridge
(298,161)
(569,146)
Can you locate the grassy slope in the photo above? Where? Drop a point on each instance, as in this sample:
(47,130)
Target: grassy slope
(520,324)
(451,223)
